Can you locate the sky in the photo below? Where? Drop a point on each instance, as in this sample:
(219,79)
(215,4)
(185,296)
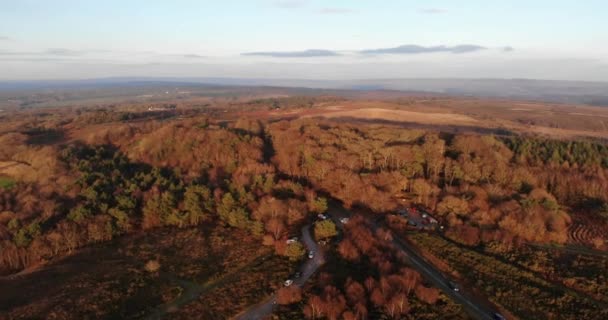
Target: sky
(304,39)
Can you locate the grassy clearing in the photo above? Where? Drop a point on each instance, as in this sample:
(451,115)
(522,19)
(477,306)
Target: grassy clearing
(519,289)
(237,291)
(580,269)
(6,183)
(110,281)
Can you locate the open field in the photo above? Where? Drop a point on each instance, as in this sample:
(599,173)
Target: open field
(461,115)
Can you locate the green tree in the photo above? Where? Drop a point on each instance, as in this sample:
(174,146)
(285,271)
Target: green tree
(22,238)
(158,210)
(121,218)
(318,205)
(197,203)
(295,251)
(325,229)
(232,214)
(238,218)
(79,213)
(226,205)
(256,228)
(13,224)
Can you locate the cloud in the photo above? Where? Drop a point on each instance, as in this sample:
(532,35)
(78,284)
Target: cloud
(335,11)
(48,52)
(294,54)
(416,49)
(5,38)
(62,52)
(507,49)
(289,4)
(433,11)
(193,56)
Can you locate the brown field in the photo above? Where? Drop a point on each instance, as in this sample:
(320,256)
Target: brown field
(110,280)
(404,116)
(461,115)
(588,232)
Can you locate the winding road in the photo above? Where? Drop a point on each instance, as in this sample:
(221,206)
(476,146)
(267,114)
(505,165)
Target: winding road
(475,309)
(264,308)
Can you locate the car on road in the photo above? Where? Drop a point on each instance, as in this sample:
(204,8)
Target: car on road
(498,316)
(288,282)
(322,216)
(292,240)
(311,254)
(344,220)
(403,212)
(297,275)
(454,286)
(412,223)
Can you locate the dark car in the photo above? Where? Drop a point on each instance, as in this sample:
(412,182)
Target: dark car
(297,275)
(454,286)
(498,316)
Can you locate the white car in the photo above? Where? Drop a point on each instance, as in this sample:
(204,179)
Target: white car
(322,216)
(288,282)
(292,240)
(311,254)
(344,220)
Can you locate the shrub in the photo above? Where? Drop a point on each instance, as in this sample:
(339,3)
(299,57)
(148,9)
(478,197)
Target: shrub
(152,266)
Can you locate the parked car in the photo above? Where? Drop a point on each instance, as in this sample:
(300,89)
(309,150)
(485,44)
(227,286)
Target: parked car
(454,286)
(322,216)
(297,275)
(288,282)
(311,254)
(344,220)
(412,223)
(292,240)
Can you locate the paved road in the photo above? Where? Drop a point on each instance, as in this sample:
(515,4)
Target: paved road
(309,267)
(427,270)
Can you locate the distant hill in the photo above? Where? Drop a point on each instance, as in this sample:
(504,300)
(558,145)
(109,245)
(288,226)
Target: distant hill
(579,92)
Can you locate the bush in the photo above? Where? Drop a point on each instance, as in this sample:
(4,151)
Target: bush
(152,266)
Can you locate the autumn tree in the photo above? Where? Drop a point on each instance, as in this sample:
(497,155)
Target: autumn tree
(289,295)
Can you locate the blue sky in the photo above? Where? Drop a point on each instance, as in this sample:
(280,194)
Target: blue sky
(267,38)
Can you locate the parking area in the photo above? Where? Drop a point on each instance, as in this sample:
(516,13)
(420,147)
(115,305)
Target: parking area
(419,219)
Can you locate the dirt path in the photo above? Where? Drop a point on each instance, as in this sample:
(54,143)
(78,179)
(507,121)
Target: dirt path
(192,290)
